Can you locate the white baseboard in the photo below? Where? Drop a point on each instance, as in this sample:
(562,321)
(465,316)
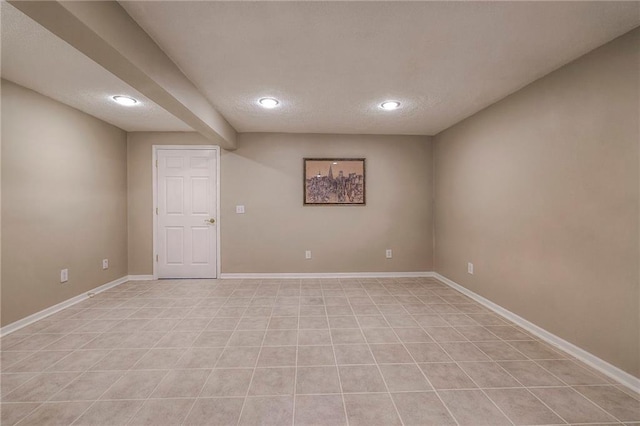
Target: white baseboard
(140,277)
(14,326)
(325,275)
(588,358)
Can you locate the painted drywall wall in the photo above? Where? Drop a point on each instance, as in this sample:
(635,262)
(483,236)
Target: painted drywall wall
(64,202)
(540,192)
(265,175)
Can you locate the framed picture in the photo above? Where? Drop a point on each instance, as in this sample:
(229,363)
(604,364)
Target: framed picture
(334,181)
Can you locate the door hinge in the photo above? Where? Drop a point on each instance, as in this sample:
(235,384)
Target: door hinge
(156,257)
(156,164)
(156,210)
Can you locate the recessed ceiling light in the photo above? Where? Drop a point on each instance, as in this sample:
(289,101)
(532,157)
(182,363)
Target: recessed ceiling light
(268,102)
(124,100)
(390,105)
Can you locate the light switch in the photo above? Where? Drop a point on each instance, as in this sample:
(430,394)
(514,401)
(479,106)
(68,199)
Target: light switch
(240,209)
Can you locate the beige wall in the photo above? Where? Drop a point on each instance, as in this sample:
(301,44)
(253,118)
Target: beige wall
(265,175)
(540,191)
(63,202)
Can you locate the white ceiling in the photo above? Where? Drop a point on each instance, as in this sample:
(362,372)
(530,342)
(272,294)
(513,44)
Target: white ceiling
(331,63)
(35,58)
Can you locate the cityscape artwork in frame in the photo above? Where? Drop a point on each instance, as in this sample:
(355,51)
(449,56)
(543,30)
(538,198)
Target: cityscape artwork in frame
(334,181)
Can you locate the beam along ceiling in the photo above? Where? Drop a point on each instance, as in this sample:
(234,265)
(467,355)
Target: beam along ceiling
(35,58)
(331,63)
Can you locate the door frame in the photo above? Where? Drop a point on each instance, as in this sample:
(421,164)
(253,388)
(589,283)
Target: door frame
(154,159)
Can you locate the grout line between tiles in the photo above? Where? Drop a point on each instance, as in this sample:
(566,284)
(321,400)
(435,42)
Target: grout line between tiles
(255,366)
(295,371)
(214,365)
(422,372)
(335,358)
(379,370)
(160,381)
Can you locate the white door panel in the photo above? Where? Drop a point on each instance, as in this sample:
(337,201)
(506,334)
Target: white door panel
(186,188)
(174,196)
(200,243)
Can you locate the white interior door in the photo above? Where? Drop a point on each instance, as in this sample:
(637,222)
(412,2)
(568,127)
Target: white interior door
(186,223)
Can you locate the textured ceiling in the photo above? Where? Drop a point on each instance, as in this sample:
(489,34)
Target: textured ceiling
(331,63)
(35,58)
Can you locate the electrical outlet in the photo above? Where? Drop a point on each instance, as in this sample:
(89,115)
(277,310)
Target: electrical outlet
(240,209)
(389,254)
(64,275)
(307,254)
(105,263)
(470,268)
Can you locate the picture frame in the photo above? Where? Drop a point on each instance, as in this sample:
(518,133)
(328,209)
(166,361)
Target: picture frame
(334,181)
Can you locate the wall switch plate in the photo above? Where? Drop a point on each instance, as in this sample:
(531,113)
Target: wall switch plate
(470,268)
(388,254)
(307,254)
(240,209)
(64,275)
(105,263)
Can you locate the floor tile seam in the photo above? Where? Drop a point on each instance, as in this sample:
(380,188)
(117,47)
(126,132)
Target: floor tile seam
(560,379)
(380,373)
(599,405)
(38,374)
(473,381)
(425,376)
(583,396)
(335,359)
(83,373)
(481,389)
(559,352)
(161,379)
(503,369)
(215,365)
(625,389)
(37,407)
(150,393)
(295,371)
(253,373)
(22,338)
(101,395)
(520,387)
(101,399)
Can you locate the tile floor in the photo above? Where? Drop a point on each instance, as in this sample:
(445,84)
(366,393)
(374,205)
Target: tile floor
(369,352)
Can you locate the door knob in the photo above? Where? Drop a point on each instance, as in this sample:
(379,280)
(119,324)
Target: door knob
(210,220)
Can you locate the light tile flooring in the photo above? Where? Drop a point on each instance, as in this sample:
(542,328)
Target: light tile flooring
(369,352)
